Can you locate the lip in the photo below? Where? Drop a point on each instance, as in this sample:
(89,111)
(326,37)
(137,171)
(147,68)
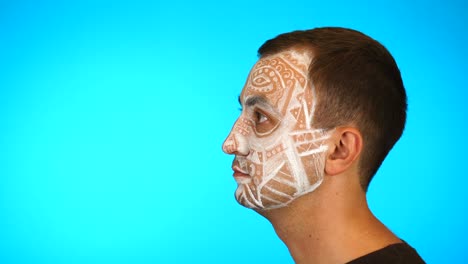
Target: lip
(241,176)
(238,172)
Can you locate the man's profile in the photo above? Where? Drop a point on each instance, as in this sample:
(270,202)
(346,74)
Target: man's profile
(321,109)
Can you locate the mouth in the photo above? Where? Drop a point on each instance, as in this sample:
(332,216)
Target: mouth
(241,176)
(239,173)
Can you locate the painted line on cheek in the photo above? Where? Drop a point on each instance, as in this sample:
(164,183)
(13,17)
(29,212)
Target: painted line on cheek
(278,192)
(311,187)
(284,181)
(255,201)
(279,204)
(323,134)
(240,194)
(308,115)
(320,149)
(248,203)
(296,166)
(271,175)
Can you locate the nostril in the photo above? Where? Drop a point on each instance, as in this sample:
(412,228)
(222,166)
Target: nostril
(242,146)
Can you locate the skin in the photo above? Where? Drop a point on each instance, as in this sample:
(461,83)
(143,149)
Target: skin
(279,155)
(322,213)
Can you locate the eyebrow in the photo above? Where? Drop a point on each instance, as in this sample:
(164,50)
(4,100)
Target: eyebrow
(254,100)
(259,100)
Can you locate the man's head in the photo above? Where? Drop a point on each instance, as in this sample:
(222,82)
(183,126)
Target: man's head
(313,82)
(278,152)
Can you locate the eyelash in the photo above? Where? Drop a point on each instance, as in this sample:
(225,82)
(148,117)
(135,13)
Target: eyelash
(259,116)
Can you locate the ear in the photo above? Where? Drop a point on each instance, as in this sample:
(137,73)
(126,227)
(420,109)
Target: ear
(345,149)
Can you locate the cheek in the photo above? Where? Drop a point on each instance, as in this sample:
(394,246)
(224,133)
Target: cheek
(256,171)
(265,162)
(311,147)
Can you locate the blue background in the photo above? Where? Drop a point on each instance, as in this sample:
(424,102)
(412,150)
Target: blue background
(112,116)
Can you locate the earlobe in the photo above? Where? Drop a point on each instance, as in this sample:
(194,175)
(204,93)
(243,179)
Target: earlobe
(345,148)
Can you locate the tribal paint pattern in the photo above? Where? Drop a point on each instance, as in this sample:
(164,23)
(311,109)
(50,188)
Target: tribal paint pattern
(286,160)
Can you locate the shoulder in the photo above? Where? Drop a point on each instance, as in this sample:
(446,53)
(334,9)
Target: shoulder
(400,253)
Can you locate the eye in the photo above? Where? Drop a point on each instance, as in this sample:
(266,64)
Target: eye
(260,117)
(264,123)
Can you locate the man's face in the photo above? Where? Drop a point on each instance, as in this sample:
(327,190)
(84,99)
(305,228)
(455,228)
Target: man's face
(278,155)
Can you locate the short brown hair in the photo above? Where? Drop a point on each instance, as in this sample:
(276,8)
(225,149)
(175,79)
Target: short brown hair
(357,82)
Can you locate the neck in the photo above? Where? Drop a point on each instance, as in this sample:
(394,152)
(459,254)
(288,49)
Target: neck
(329,226)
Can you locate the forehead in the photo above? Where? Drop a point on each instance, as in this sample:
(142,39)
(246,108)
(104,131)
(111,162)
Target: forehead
(274,76)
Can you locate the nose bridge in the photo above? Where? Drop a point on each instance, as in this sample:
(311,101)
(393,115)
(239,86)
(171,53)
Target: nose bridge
(236,141)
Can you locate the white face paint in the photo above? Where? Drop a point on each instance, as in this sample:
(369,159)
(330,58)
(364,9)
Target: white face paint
(279,156)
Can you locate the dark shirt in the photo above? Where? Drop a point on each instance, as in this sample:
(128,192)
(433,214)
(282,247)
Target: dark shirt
(400,253)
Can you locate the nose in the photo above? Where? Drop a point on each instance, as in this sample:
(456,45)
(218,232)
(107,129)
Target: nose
(236,143)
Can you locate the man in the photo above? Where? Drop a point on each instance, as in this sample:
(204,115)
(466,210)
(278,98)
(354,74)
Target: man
(320,111)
